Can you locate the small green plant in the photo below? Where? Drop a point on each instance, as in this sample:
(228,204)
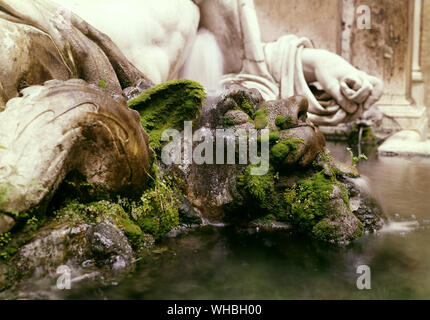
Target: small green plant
(33,222)
(356,159)
(260,194)
(102,84)
(157,212)
(5,239)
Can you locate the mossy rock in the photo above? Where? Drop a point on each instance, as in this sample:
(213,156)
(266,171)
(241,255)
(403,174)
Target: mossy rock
(319,206)
(167,106)
(309,201)
(272,137)
(101,211)
(284,122)
(286,147)
(157,211)
(260,196)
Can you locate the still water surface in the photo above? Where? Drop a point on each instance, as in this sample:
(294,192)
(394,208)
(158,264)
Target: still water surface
(220,263)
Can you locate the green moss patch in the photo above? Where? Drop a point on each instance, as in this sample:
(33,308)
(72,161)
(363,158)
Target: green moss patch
(287,146)
(102,84)
(227,121)
(260,195)
(309,201)
(167,106)
(284,122)
(245,104)
(273,137)
(157,211)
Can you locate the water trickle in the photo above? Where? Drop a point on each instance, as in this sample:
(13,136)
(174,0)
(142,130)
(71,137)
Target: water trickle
(205,63)
(400,226)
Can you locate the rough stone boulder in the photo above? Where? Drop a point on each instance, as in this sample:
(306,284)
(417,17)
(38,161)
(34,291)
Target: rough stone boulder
(289,116)
(65,127)
(213,187)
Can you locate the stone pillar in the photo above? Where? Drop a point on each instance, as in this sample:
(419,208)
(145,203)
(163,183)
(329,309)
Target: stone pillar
(390,50)
(417,75)
(425,51)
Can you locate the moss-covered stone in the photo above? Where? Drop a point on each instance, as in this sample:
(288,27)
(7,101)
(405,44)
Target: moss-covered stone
(101,211)
(284,122)
(319,206)
(260,195)
(273,137)
(167,106)
(228,121)
(26,224)
(309,201)
(338,230)
(279,121)
(287,146)
(245,104)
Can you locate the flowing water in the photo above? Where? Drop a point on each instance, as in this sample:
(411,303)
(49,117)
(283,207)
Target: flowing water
(221,263)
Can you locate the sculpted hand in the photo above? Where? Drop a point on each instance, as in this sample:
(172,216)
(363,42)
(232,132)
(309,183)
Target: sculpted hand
(349,86)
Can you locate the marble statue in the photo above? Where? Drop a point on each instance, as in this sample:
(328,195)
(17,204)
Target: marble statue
(116,44)
(340,92)
(68,67)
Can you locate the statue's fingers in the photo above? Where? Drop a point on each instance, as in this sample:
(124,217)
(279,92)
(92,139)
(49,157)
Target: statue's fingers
(346,90)
(363,93)
(376,93)
(334,90)
(365,90)
(360,95)
(352,80)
